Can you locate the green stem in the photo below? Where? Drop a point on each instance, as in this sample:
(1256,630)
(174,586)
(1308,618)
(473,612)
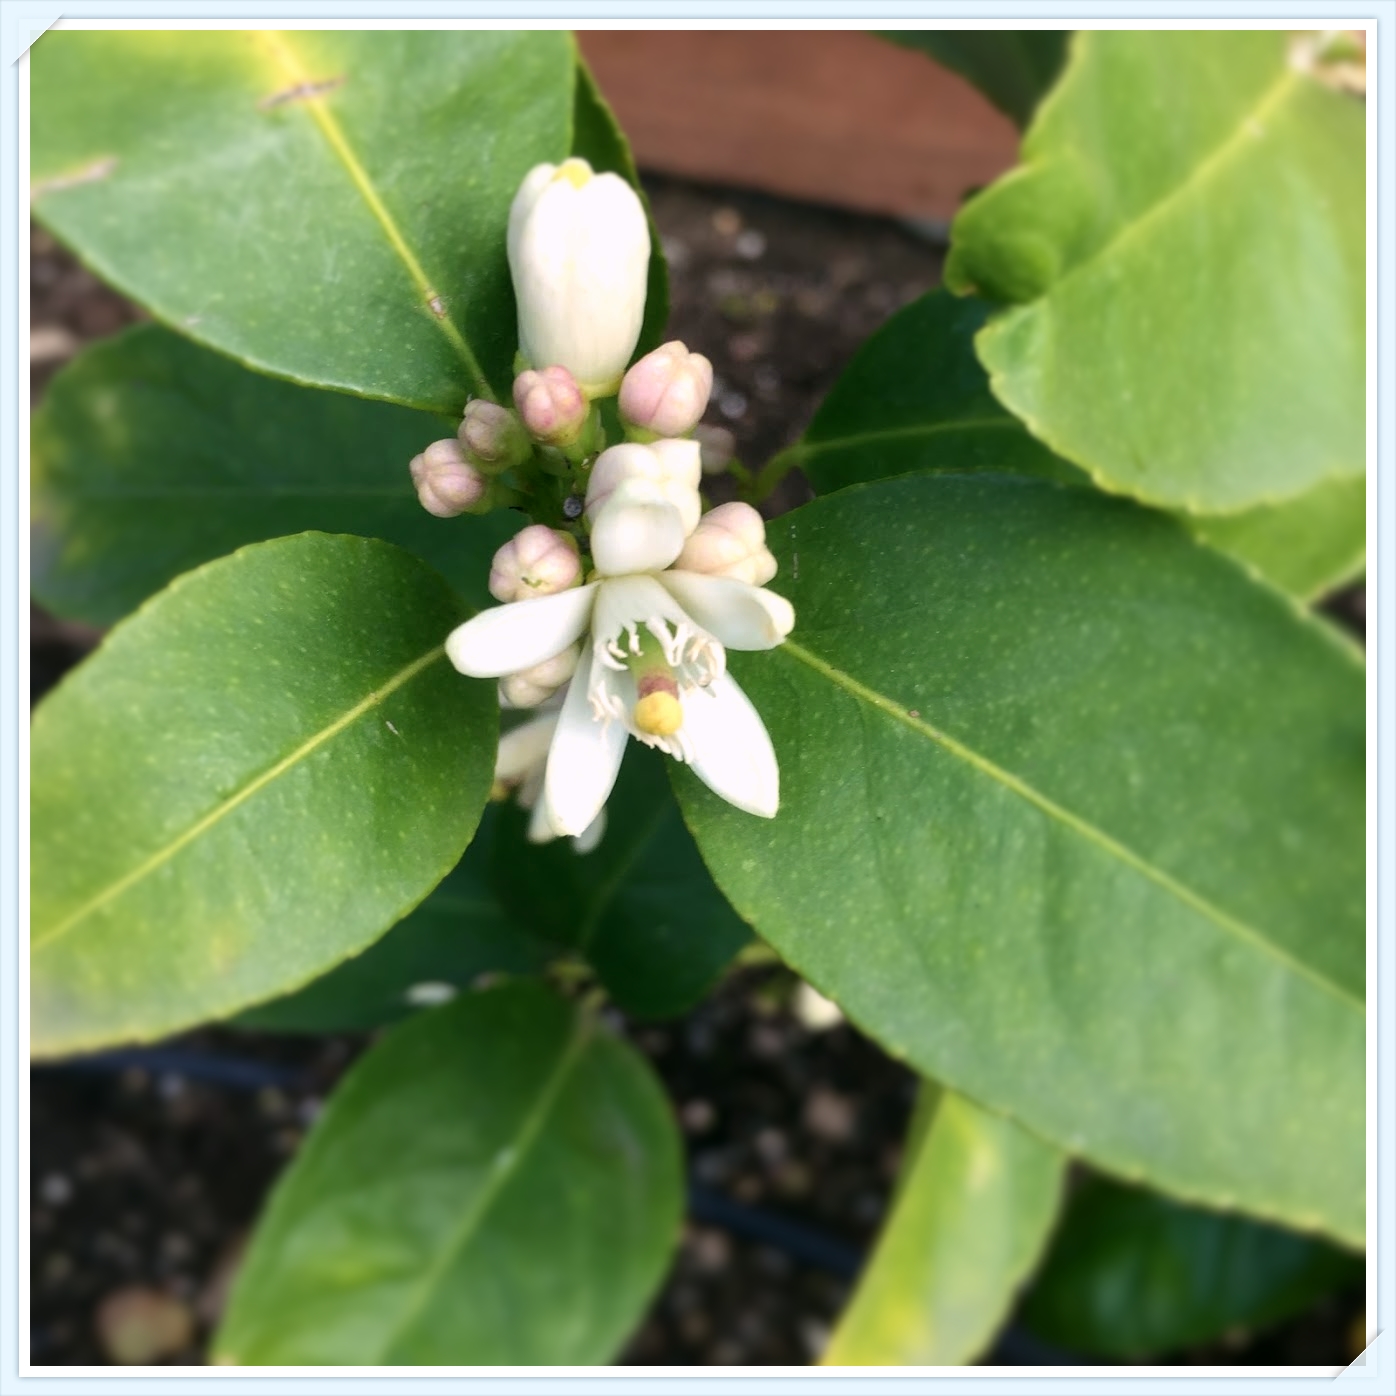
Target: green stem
(762,485)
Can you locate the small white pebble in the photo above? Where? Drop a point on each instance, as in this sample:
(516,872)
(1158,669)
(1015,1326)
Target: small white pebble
(429,994)
(814,1011)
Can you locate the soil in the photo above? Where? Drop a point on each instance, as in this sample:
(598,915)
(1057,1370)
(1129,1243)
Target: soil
(146,1176)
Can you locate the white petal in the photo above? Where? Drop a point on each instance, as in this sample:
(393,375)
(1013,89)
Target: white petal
(539,830)
(732,753)
(524,747)
(591,835)
(505,639)
(583,761)
(636,530)
(742,617)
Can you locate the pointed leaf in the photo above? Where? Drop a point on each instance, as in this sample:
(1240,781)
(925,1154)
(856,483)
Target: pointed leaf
(152,455)
(975,1201)
(1071,817)
(252,779)
(328,206)
(497,1182)
(1187,275)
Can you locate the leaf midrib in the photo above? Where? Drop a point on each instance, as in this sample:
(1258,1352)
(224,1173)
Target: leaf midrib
(1223,920)
(808,449)
(239,797)
(499,1178)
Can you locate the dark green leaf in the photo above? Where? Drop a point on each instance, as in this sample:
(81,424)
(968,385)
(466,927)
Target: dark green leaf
(459,933)
(1013,68)
(498,1182)
(915,398)
(1187,237)
(152,455)
(599,140)
(328,206)
(1132,1274)
(641,908)
(252,779)
(975,1200)
(1072,819)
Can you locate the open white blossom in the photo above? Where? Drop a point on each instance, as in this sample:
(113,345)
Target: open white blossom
(655,668)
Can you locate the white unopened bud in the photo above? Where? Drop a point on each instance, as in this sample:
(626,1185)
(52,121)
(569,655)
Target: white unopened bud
(716,447)
(667,391)
(492,435)
(447,484)
(579,249)
(673,467)
(530,687)
(536,562)
(553,407)
(730,541)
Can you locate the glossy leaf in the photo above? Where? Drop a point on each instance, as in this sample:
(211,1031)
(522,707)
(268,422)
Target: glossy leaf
(498,1182)
(458,934)
(915,398)
(1071,819)
(1186,275)
(597,137)
(641,908)
(152,455)
(1013,68)
(327,205)
(252,779)
(975,1201)
(1132,1274)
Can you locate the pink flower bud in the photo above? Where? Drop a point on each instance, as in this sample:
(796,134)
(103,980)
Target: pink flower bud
(672,466)
(667,391)
(530,687)
(553,407)
(447,484)
(536,562)
(492,435)
(730,541)
(716,446)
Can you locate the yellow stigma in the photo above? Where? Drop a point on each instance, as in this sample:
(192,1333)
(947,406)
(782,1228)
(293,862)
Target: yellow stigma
(575,172)
(659,714)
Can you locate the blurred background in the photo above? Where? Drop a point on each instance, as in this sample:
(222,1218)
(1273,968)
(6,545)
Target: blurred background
(802,184)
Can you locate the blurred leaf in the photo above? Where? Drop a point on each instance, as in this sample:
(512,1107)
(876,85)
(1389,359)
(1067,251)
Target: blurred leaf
(914,397)
(459,933)
(597,137)
(328,206)
(1072,819)
(251,780)
(1131,1274)
(641,907)
(152,455)
(1013,68)
(976,1198)
(1187,238)
(498,1181)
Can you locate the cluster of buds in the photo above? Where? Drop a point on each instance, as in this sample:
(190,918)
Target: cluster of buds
(618,610)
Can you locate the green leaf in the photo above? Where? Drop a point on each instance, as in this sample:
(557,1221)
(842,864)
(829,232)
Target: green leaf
(497,1182)
(1191,273)
(1013,68)
(328,206)
(1072,819)
(152,455)
(597,137)
(1132,1274)
(975,1201)
(914,398)
(252,779)
(641,908)
(459,933)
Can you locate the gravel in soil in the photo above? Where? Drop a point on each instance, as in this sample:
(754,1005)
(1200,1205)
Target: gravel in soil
(145,1181)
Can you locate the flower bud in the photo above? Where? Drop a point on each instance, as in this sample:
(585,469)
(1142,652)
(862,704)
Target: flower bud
(579,249)
(492,435)
(536,562)
(530,687)
(447,484)
(552,406)
(730,541)
(716,447)
(667,391)
(673,467)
